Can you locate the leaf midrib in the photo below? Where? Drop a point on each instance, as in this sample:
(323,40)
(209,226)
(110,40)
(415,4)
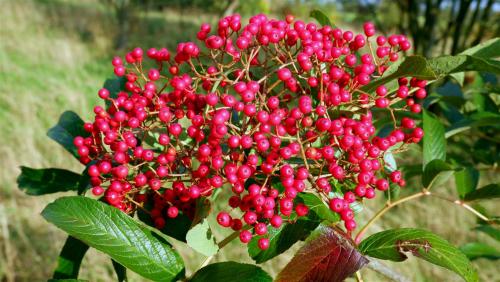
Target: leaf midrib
(87,222)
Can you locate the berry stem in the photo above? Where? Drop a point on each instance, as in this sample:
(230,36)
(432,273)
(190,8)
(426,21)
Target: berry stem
(359,278)
(385,209)
(424,192)
(462,204)
(302,151)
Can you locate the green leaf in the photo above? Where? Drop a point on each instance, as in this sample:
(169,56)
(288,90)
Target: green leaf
(281,239)
(328,255)
(321,17)
(70,125)
(318,207)
(202,240)
(120,270)
(114,86)
(396,244)
(466,180)
(487,49)
(480,250)
(231,271)
(411,170)
(411,66)
(490,230)
(477,58)
(390,164)
(84,183)
(473,121)
(434,143)
(445,65)
(70,259)
(487,192)
(174,227)
(436,173)
(459,78)
(393,192)
(47,180)
(111,231)
(356,207)
(203,208)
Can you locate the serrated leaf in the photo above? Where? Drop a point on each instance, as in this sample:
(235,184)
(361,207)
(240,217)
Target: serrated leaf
(466,180)
(487,49)
(120,271)
(47,180)
(281,239)
(396,244)
(436,173)
(411,66)
(474,59)
(318,207)
(480,250)
(447,64)
(231,271)
(69,126)
(321,17)
(70,259)
(434,142)
(202,240)
(327,256)
(487,192)
(111,231)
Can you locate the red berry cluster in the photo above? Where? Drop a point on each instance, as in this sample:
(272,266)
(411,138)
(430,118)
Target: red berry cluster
(273,101)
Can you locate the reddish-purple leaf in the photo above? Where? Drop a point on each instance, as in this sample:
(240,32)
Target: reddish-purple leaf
(329,255)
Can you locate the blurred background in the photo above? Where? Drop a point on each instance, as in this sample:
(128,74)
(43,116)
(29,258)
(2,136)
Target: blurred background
(55,55)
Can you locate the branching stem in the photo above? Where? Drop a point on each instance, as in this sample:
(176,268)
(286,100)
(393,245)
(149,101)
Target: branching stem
(424,192)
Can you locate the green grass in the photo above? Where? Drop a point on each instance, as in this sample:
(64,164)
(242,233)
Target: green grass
(54,56)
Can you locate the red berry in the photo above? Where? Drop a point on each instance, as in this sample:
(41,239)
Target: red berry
(284,74)
(172,212)
(263,243)
(260,228)
(276,221)
(97,190)
(301,210)
(336,205)
(245,236)
(350,224)
(224,219)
